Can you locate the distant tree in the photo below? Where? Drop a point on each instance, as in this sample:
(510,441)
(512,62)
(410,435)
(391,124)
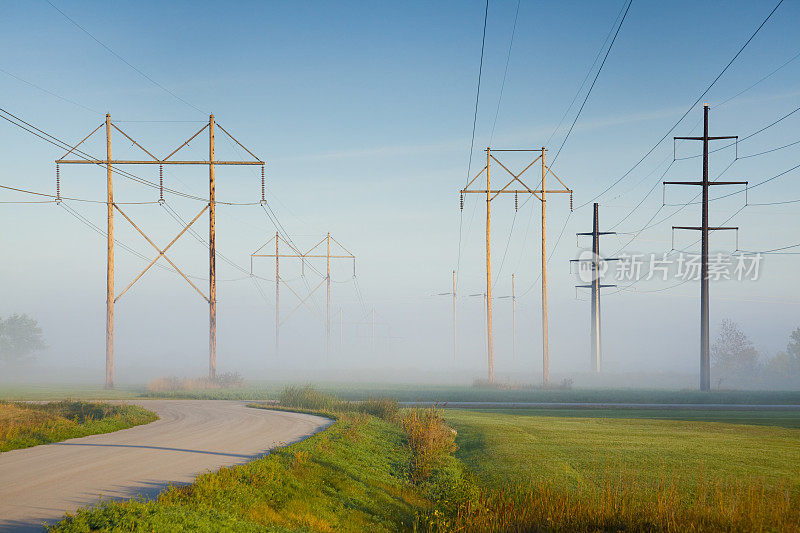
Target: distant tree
(20,338)
(733,354)
(787,364)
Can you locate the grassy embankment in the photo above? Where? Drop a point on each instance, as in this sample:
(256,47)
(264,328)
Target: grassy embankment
(372,470)
(512,472)
(25,424)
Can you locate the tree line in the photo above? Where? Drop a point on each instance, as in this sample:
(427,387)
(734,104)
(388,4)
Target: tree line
(737,362)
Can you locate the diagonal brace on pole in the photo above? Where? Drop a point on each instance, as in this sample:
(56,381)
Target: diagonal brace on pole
(303,301)
(161,253)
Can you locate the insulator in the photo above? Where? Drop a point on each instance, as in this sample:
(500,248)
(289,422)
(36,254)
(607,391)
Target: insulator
(263,187)
(161,184)
(516,201)
(58,184)
(570,201)
(462,201)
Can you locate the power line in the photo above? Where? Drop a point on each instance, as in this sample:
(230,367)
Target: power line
(759,81)
(51,93)
(651,150)
(112,52)
(600,51)
(586,77)
(597,75)
(474,124)
(580,110)
(505,73)
(746,137)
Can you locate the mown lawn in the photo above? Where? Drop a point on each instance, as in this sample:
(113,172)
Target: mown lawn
(776,418)
(26,424)
(576,451)
(664,474)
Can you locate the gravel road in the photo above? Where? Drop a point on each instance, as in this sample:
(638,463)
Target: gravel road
(192,436)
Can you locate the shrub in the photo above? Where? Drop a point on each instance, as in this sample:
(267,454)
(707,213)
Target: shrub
(430,439)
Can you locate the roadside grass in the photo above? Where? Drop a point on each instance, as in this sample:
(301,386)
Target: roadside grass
(23,425)
(587,474)
(354,476)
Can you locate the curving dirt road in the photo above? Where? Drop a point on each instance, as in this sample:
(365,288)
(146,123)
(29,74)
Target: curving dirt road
(192,436)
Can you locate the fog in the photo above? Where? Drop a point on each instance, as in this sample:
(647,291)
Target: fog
(372,145)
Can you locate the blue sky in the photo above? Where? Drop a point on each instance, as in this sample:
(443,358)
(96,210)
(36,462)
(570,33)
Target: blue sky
(363,112)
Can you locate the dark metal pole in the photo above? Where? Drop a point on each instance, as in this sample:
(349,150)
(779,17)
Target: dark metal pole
(595,355)
(705,363)
(705,367)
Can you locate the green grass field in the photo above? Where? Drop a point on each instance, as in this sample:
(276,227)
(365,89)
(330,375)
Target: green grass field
(42,392)
(23,425)
(574,451)
(719,476)
(775,418)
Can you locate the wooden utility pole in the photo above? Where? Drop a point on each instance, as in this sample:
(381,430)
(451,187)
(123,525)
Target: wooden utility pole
(705,361)
(109,163)
(212,256)
(595,265)
(303,256)
(110,261)
(491,194)
(545,321)
(489,330)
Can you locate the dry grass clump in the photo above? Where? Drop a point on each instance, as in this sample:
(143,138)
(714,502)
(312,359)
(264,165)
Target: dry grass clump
(226,380)
(431,440)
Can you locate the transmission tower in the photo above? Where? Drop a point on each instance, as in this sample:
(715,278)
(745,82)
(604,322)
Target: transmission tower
(704,228)
(540,194)
(110,165)
(295,253)
(595,265)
